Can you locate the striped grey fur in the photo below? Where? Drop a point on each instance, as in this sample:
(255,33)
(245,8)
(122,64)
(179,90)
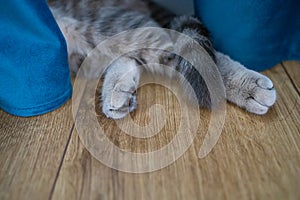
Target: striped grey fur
(85,23)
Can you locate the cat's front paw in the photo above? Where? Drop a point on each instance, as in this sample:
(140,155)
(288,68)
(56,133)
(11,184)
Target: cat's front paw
(256,93)
(120,102)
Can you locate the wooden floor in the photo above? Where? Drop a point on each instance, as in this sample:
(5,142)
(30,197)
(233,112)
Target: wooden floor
(256,157)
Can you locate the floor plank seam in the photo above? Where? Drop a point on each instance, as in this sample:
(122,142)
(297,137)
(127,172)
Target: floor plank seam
(61,161)
(293,83)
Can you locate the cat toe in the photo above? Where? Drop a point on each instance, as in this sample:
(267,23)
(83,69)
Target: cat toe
(265,83)
(266,97)
(255,107)
(116,113)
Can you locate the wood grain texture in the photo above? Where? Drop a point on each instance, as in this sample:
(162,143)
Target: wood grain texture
(256,157)
(293,70)
(31,151)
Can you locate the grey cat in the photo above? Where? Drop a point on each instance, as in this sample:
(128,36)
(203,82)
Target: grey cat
(85,23)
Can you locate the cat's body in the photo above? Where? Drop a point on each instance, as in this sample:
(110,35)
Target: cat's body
(85,23)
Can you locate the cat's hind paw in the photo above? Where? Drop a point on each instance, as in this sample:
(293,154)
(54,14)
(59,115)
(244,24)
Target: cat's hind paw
(256,93)
(261,97)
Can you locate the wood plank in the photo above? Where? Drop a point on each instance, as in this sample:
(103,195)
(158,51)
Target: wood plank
(256,157)
(293,70)
(31,151)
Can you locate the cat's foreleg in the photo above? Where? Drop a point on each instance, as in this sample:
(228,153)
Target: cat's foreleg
(246,88)
(119,88)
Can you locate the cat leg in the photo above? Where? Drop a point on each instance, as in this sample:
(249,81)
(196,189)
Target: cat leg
(246,88)
(119,88)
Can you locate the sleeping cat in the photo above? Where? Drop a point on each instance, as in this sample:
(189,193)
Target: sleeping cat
(85,23)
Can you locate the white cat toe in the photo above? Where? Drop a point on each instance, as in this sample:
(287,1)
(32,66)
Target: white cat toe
(265,97)
(264,82)
(255,107)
